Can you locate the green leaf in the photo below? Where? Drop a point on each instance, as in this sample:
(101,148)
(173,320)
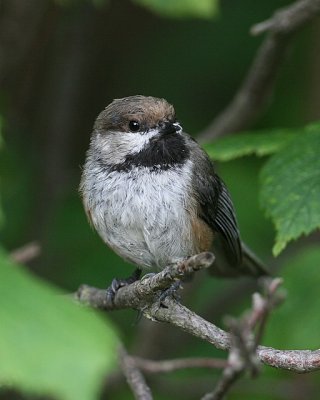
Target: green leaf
(290,190)
(48,345)
(182,8)
(243,144)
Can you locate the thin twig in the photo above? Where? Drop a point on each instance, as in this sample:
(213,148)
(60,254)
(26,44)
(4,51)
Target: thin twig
(134,377)
(289,19)
(257,86)
(244,342)
(153,367)
(229,377)
(262,306)
(242,358)
(26,253)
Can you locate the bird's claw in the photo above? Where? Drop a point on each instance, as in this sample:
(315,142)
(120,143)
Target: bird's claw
(116,284)
(172,291)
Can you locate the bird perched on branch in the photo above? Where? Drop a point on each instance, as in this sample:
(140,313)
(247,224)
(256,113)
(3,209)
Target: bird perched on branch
(153,194)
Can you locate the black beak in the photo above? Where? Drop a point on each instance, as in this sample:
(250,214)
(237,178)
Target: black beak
(167,128)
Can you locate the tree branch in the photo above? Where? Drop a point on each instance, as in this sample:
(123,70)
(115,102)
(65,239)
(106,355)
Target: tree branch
(26,253)
(229,377)
(154,367)
(244,340)
(289,19)
(140,294)
(144,295)
(257,87)
(134,377)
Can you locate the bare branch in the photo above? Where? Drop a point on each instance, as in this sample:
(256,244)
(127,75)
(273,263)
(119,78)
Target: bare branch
(261,306)
(242,357)
(301,361)
(257,87)
(243,352)
(143,295)
(134,377)
(290,19)
(26,253)
(153,367)
(229,377)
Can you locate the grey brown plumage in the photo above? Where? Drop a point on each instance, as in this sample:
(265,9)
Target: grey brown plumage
(152,193)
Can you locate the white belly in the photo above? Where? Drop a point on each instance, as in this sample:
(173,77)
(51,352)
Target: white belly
(143,215)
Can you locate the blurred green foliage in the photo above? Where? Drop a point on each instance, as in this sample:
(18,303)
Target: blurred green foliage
(182,8)
(292,323)
(1,128)
(167,8)
(39,328)
(78,59)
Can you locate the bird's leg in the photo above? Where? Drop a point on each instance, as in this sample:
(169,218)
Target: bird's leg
(116,284)
(171,291)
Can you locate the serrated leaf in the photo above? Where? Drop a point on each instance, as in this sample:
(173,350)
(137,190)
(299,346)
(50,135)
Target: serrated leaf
(290,190)
(260,143)
(182,8)
(48,345)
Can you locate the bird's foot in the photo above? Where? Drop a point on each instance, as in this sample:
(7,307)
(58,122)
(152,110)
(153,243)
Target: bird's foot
(172,291)
(116,284)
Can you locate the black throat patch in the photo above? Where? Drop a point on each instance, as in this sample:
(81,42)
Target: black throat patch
(163,152)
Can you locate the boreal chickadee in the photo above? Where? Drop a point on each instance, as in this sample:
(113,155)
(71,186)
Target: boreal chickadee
(152,193)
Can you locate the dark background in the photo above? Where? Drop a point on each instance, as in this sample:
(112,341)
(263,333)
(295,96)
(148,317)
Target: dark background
(60,65)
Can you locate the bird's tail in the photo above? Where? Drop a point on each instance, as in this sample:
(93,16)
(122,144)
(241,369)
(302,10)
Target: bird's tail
(250,265)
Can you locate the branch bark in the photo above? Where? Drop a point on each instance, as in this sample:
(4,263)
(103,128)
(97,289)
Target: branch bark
(140,294)
(134,377)
(230,376)
(144,295)
(26,253)
(257,87)
(155,367)
(245,335)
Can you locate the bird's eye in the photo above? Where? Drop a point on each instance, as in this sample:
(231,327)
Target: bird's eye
(134,126)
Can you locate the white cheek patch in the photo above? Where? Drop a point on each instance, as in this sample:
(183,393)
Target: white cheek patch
(140,140)
(116,146)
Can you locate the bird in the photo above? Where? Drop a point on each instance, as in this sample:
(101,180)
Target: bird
(153,194)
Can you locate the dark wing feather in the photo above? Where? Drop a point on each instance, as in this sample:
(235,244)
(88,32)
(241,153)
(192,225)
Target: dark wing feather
(215,205)
(225,223)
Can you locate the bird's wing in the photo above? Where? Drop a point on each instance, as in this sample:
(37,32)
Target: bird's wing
(215,205)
